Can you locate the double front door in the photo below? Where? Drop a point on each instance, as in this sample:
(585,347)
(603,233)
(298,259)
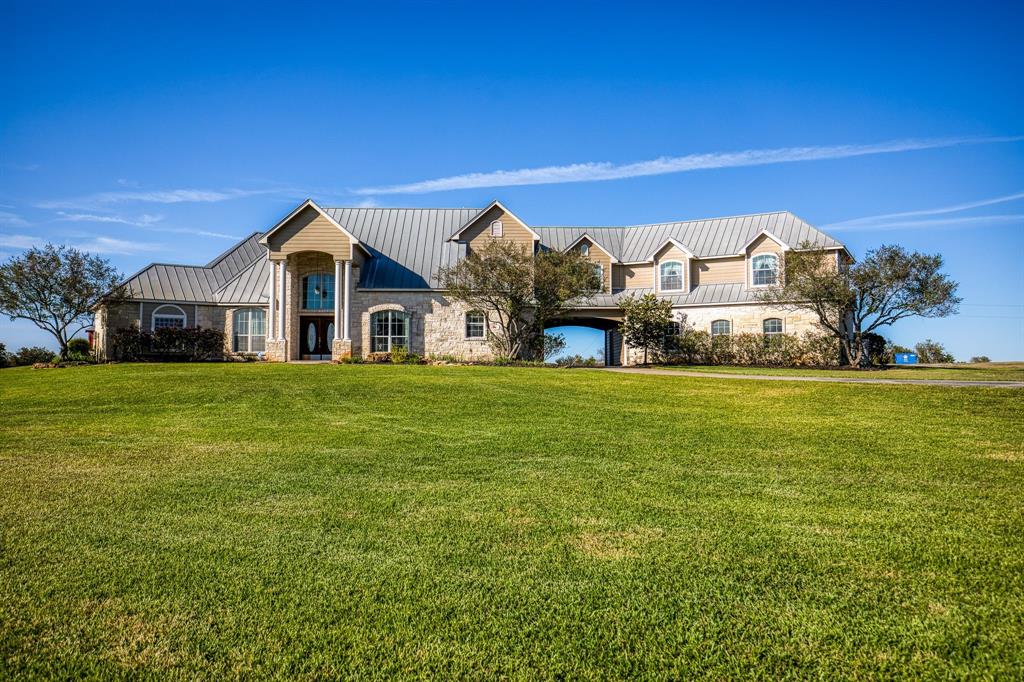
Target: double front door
(316,333)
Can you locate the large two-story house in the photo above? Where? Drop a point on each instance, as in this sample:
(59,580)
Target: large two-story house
(324,283)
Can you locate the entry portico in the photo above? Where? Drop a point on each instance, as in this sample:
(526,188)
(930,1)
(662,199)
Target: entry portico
(311,272)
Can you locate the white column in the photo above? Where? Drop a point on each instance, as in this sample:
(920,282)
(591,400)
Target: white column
(348,301)
(282,299)
(337,299)
(272,313)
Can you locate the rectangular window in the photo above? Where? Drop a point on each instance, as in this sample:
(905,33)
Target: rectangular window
(771,326)
(474,325)
(160,322)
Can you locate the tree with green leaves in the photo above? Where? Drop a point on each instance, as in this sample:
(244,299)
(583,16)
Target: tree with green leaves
(645,320)
(932,352)
(519,292)
(852,300)
(55,287)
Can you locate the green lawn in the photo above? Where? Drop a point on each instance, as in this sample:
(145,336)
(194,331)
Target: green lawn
(378,521)
(989,371)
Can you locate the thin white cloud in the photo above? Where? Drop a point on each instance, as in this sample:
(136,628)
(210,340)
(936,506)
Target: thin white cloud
(12,220)
(955,208)
(104,245)
(171,196)
(595,171)
(144,220)
(368,203)
(118,246)
(19,241)
(926,223)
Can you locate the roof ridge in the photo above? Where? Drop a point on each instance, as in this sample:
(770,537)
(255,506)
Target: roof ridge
(241,271)
(231,249)
(664,222)
(400,208)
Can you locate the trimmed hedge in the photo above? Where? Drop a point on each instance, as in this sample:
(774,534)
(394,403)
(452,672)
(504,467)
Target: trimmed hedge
(190,344)
(776,350)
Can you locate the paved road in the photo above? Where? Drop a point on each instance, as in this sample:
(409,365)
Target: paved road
(834,380)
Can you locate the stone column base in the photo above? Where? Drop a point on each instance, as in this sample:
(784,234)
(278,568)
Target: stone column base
(277,350)
(340,348)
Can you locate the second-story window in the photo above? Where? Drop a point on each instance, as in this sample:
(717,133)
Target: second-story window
(671,276)
(585,249)
(765,269)
(497,229)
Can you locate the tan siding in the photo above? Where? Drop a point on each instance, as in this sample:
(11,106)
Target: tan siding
(479,236)
(599,256)
(671,252)
(764,244)
(637,276)
(310,231)
(725,270)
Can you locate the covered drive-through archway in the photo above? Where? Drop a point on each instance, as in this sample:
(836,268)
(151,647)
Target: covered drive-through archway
(611,345)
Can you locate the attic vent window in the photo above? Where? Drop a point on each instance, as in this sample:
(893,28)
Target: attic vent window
(585,249)
(497,229)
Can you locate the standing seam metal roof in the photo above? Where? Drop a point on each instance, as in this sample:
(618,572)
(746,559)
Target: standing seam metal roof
(409,245)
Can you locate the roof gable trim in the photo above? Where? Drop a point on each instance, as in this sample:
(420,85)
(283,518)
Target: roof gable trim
(763,233)
(309,203)
(472,221)
(674,242)
(588,237)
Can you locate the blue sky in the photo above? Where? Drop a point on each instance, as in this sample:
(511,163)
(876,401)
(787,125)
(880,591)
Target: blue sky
(161,133)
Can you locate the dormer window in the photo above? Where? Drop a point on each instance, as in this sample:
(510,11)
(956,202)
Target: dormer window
(671,276)
(765,270)
(497,229)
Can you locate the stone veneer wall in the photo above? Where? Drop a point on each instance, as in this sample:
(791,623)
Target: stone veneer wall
(744,318)
(437,324)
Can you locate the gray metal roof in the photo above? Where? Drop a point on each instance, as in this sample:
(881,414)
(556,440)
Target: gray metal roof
(704,238)
(409,245)
(197,283)
(704,294)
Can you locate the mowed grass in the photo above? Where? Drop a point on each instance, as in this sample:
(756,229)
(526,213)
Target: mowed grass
(220,521)
(987,371)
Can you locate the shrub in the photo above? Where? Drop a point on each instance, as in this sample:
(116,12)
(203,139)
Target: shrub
(812,349)
(876,348)
(576,361)
(79,346)
(30,355)
(981,358)
(5,358)
(189,343)
(400,355)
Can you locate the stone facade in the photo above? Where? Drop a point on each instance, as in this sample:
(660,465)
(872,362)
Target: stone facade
(744,319)
(437,325)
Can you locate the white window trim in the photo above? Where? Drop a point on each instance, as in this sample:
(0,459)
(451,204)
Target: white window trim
(156,313)
(781,320)
(500,228)
(465,326)
(585,249)
(712,327)
(390,337)
(777,263)
(248,332)
(682,274)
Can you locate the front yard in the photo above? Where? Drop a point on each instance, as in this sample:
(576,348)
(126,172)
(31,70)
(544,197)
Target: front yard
(382,521)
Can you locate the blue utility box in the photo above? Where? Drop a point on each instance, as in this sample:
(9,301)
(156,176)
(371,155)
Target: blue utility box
(906,358)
